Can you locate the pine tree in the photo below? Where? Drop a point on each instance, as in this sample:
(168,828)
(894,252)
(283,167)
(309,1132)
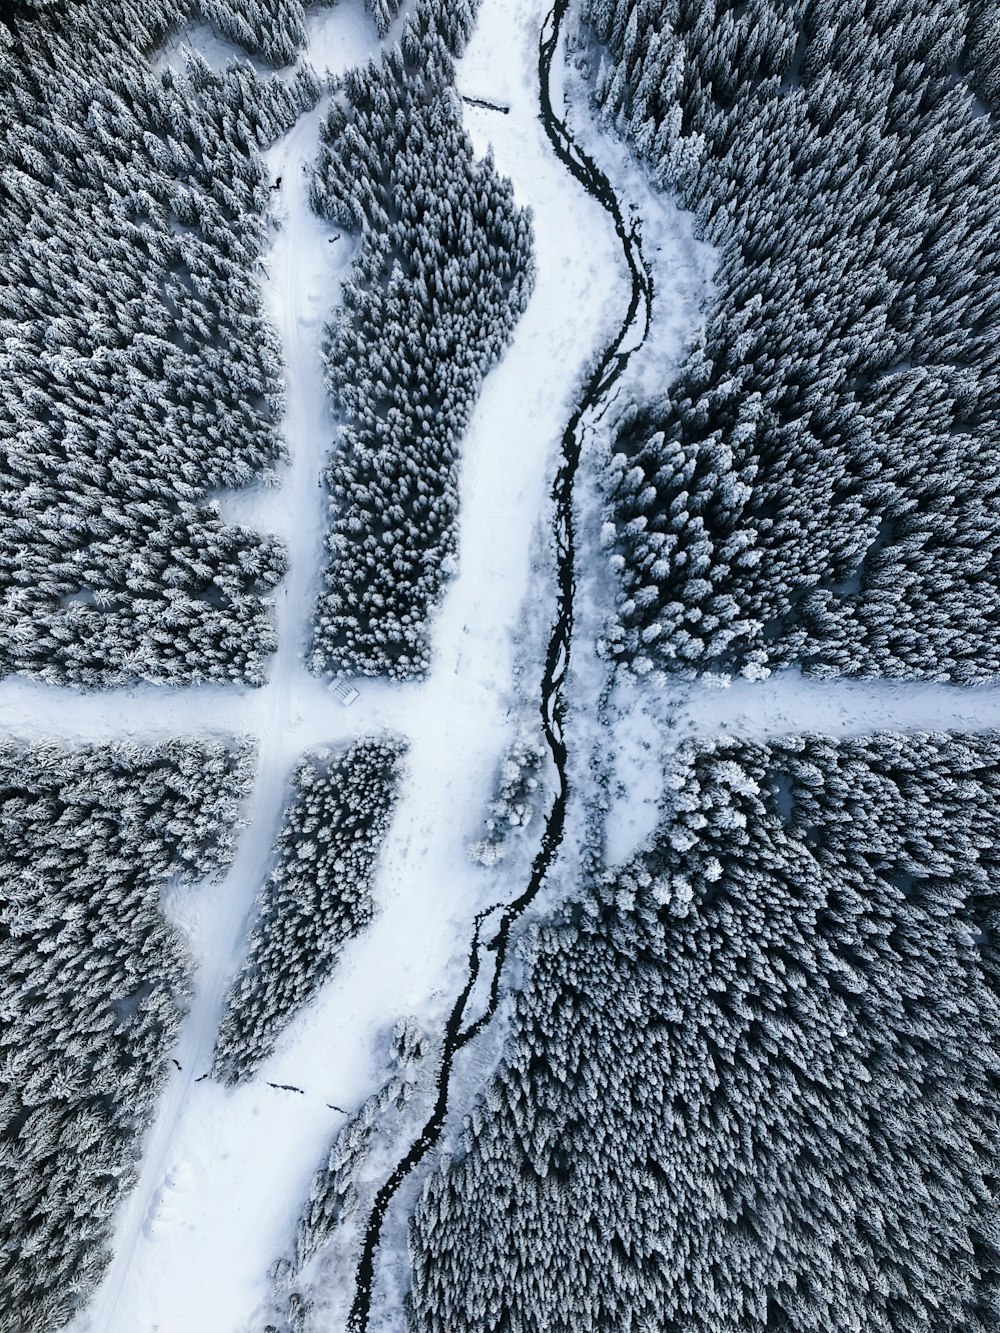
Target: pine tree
(318,896)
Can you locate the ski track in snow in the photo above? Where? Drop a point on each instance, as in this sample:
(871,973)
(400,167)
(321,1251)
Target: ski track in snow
(225,1172)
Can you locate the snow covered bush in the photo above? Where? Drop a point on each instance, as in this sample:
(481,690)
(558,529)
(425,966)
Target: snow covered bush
(515,801)
(820,482)
(93,982)
(443,273)
(752,1083)
(137,371)
(317,897)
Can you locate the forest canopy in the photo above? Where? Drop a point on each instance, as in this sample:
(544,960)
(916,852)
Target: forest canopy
(93,985)
(317,897)
(819,482)
(138,374)
(752,1078)
(443,273)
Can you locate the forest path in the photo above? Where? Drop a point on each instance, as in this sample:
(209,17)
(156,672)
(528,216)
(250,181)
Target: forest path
(789,703)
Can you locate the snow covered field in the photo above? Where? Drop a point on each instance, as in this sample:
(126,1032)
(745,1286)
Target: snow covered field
(225,1172)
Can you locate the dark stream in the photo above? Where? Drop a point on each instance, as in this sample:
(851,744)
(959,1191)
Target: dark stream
(493,951)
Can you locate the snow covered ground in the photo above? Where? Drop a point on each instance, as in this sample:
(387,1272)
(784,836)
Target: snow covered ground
(225,1172)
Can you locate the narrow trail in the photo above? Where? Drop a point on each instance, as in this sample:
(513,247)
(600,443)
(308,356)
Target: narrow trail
(789,703)
(275,713)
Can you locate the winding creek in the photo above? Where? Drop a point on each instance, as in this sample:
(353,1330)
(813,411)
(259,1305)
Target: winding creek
(492,951)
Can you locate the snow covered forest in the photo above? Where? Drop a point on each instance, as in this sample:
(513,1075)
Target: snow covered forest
(499,666)
(752,1082)
(818,482)
(443,272)
(92,984)
(138,372)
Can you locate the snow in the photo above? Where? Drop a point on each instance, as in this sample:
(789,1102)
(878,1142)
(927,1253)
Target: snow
(201,38)
(340,38)
(789,703)
(226,1172)
(635,755)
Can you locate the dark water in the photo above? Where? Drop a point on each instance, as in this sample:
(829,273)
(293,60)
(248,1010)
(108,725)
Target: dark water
(492,951)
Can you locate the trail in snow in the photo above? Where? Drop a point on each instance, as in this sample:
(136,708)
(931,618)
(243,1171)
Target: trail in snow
(32,711)
(789,703)
(684,712)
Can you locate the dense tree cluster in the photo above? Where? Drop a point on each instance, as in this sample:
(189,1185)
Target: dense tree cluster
(137,372)
(333,1193)
(753,1080)
(318,896)
(443,272)
(820,483)
(92,985)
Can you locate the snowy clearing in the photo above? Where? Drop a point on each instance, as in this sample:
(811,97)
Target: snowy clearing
(789,703)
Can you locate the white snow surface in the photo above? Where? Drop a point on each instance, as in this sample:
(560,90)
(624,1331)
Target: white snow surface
(789,703)
(225,1172)
(341,36)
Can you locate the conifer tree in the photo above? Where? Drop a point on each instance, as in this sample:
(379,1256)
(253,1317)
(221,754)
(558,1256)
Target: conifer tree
(818,484)
(751,1081)
(443,272)
(318,896)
